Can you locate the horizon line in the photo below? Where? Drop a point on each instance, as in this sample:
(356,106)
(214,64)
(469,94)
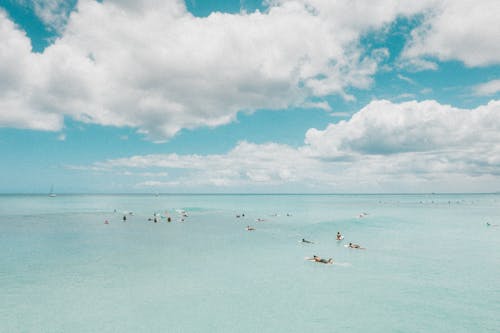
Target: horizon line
(248,193)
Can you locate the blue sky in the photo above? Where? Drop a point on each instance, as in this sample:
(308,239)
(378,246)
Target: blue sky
(249,96)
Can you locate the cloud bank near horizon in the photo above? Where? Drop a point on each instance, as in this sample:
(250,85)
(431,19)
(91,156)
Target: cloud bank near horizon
(153,66)
(384,147)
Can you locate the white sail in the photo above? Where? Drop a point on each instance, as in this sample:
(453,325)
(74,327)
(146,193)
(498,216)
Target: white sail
(51,193)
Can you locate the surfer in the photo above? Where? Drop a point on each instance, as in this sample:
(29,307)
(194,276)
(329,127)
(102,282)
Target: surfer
(355,246)
(249,228)
(317,259)
(324,261)
(306,241)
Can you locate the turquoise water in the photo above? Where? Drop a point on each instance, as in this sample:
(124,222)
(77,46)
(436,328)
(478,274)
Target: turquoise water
(431,264)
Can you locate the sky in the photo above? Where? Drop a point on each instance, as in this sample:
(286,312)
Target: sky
(241,96)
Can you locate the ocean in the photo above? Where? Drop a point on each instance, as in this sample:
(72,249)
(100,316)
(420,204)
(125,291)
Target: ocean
(431,263)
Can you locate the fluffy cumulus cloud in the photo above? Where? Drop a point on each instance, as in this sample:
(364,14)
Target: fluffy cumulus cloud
(20,79)
(457,30)
(423,141)
(383,128)
(153,66)
(385,146)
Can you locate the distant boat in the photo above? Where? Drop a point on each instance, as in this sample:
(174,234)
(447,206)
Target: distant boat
(52,194)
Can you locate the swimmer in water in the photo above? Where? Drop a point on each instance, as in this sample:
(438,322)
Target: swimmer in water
(306,241)
(355,246)
(249,228)
(339,236)
(320,260)
(324,261)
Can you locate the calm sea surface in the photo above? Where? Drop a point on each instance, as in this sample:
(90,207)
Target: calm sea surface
(431,264)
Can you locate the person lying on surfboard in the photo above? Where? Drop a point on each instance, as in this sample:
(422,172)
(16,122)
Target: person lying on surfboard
(320,260)
(324,261)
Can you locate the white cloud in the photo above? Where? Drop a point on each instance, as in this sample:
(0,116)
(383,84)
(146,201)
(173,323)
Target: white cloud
(417,64)
(154,183)
(153,66)
(404,96)
(384,147)
(246,164)
(383,128)
(340,114)
(54,13)
(457,30)
(488,88)
(19,79)
(317,105)
(406,79)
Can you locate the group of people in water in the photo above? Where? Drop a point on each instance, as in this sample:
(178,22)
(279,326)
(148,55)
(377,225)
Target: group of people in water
(156,217)
(314,258)
(330,261)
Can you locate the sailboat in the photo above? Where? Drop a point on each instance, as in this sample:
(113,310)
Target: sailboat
(52,194)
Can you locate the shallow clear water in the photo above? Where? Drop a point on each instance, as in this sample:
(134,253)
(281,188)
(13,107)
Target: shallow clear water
(431,264)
